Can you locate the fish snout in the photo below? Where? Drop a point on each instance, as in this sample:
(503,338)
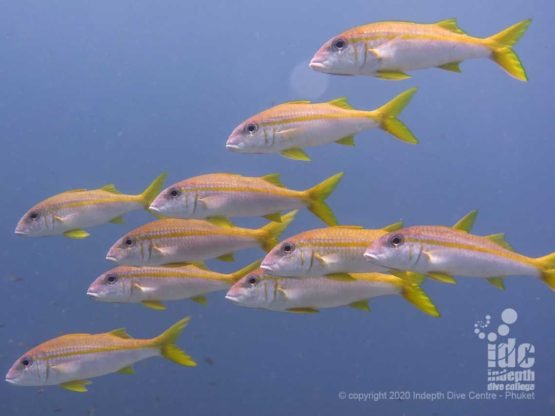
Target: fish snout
(20,229)
(11,377)
(371,257)
(267,267)
(318,63)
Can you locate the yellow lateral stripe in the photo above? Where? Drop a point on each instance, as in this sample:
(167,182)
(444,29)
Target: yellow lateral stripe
(447,37)
(97,350)
(231,188)
(314,117)
(169,274)
(339,244)
(84,203)
(155,235)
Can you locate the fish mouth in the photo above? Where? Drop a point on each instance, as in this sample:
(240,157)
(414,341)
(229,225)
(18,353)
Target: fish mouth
(372,258)
(91,294)
(317,65)
(154,208)
(111,258)
(266,267)
(232,298)
(19,232)
(10,380)
(232,147)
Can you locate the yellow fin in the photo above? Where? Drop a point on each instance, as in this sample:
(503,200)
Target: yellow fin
(273,178)
(393,227)
(117,220)
(154,304)
(110,188)
(120,333)
(303,310)
(226,257)
(450,25)
(341,102)
(502,49)
(201,300)
(318,195)
(467,222)
(152,191)
(341,277)
(387,117)
(168,349)
(76,234)
(414,294)
(451,66)
(126,370)
(499,239)
(276,217)
(346,141)
(548,277)
(498,282)
(268,235)
(79,386)
(442,277)
(392,75)
(350,227)
(297,102)
(361,305)
(220,221)
(295,153)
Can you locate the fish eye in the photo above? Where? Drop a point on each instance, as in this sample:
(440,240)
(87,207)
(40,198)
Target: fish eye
(287,248)
(111,279)
(339,44)
(128,241)
(26,361)
(252,280)
(396,240)
(34,215)
(251,128)
(174,192)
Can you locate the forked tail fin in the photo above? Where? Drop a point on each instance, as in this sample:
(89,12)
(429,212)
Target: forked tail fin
(387,116)
(502,49)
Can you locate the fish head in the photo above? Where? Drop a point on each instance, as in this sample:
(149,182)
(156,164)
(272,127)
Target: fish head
(250,290)
(27,370)
(251,136)
(289,258)
(111,286)
(395,250)
(128,250)
(36,222)
(176,202)
(342,55)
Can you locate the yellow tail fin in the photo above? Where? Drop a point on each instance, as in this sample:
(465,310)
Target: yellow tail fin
(388,113)
(269,234)
(238,275)
(502,49)
(168,349)
(153,190)
(414,294)
(547,266)
(318,194)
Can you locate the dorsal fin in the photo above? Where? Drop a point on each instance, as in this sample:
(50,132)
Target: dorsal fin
(499,239)
(110,188)
(450,25)
(341,102)
(120,333)
(349,227)
(297,102)
(77,190)
(467,222)
(393,227)
(273,178)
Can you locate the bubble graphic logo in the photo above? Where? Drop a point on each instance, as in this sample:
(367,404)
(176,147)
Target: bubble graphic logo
(509,363)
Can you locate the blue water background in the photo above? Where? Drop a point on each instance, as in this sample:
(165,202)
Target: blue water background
(117,92)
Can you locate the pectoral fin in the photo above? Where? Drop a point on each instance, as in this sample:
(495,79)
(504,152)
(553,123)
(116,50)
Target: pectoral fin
(392,75)
(201,300)
(442,277)
(142,288)
(361,305)
(295,153)
(76,234)
(79,386)
(154,304)
(303,310)
(498,282)
(288,134)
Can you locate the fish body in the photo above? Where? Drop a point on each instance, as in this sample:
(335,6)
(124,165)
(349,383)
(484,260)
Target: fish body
(70,360)
(289,127)
(151,285)
(188,240)
(437,249)
(230,195)
(388,49)
(324,251)
(310,294)
(70,212)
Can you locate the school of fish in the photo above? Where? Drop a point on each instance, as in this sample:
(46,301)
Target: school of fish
(339,265)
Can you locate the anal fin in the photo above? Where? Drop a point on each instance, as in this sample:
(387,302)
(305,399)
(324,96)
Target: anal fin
(79,386)
(498,282)
(154,304)
(346,141)
(303,310)
(295,153)
(392,75)
(361,305)
(451,66)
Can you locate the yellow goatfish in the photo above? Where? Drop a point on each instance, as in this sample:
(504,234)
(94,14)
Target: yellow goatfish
(443,251)
(70,360)
(289,127)
(71,211)
(189,241)
(387,49)
(217,196)
(310,294)
(151,285)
